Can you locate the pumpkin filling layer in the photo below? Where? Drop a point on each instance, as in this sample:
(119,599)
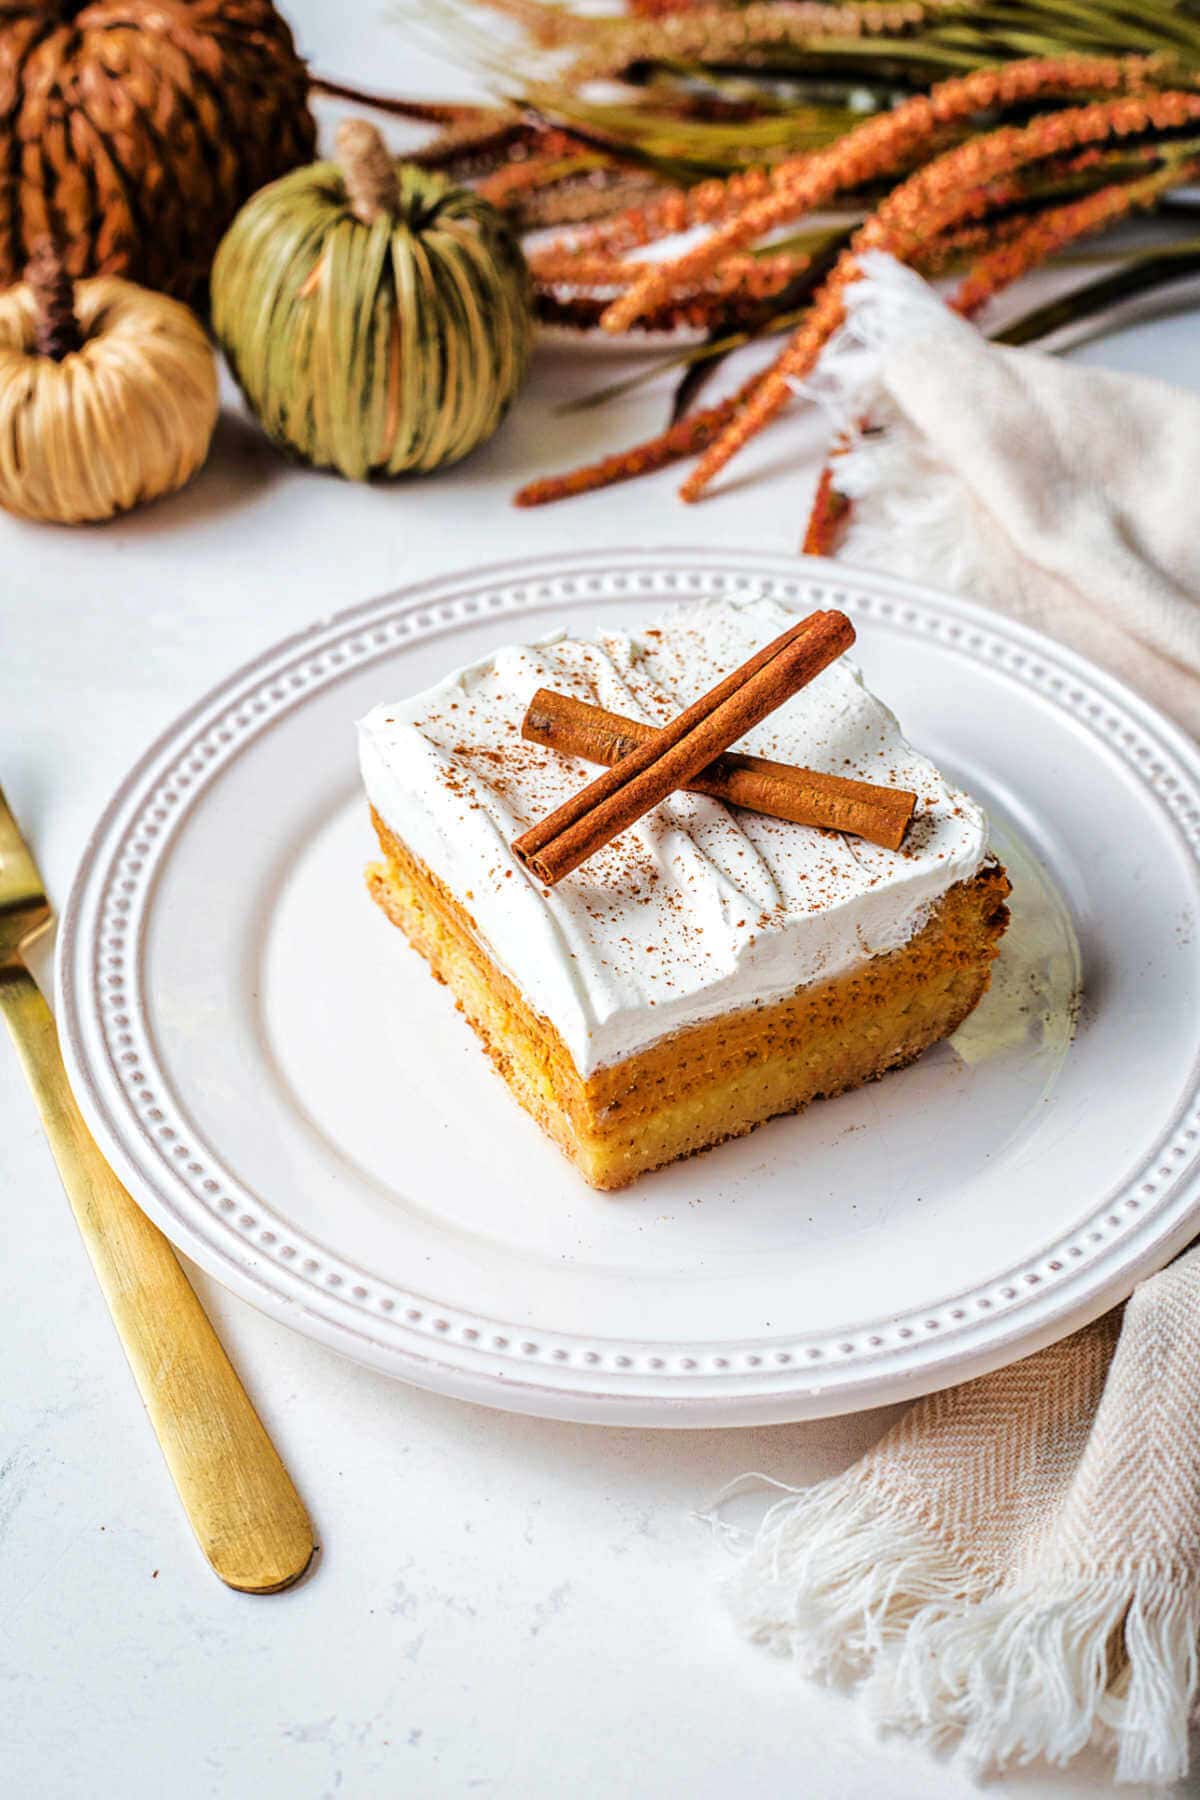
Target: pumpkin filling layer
(718,1080)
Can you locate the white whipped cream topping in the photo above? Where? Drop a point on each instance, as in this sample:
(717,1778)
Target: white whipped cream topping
(700,908)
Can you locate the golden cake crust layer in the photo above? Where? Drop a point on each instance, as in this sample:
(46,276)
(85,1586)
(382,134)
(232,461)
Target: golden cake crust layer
(716,1080)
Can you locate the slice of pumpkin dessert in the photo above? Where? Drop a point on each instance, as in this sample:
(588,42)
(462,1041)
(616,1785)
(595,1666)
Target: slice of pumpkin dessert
(705,936)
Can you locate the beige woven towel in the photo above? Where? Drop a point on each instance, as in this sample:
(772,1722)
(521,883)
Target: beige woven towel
(1063,495)
(1017,1563)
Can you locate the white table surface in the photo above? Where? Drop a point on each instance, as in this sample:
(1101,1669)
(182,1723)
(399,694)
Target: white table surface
(500,1605)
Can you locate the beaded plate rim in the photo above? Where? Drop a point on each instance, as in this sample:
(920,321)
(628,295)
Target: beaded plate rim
(183,1185)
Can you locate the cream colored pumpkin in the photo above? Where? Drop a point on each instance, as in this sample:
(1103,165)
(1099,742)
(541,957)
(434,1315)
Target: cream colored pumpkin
(120,410)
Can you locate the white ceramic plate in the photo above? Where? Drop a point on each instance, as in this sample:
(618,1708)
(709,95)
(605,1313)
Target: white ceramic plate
(299,1106)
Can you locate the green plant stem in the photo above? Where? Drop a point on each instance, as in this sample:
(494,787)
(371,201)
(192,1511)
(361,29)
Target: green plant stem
(1142,276)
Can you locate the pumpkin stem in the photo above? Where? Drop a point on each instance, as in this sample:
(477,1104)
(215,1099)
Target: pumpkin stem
(368,171)
(57,332)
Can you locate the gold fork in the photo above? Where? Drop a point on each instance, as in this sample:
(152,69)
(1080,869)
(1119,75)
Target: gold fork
(248,1517)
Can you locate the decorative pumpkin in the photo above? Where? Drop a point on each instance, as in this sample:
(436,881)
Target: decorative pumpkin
(132,130)
(377,318)
(108,394)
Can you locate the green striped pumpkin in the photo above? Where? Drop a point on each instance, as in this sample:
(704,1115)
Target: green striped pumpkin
(380,347)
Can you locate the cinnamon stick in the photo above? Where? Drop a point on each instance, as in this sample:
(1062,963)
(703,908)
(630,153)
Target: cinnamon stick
(676,753)
(781,790)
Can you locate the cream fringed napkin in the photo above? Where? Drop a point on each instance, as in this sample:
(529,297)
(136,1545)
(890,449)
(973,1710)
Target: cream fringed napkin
(1064,496)
(1018,1560)
(1017,1563)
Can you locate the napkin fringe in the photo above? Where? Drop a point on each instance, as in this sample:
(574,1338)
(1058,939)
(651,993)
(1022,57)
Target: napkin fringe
(850,1581)
(838,1572)
(911,514)
(1044,1668)
(887,308)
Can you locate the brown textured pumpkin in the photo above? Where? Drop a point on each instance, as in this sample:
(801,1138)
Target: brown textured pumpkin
(132,130)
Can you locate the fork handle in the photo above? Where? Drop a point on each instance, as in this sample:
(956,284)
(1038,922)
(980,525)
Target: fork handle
(249,1520)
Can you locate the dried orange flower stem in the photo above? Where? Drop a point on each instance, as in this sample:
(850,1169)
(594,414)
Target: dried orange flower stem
(876,147)
(946,192)
(565,268)
(701,309)
(953,248)
(683,439)
(829,510)
(762,201)
(1005,263)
